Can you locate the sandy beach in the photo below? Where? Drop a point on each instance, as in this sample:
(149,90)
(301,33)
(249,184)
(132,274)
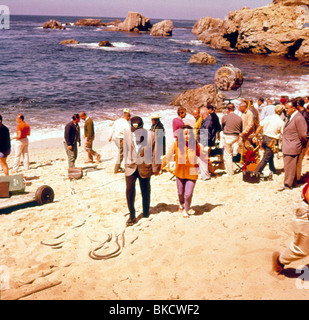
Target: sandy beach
(223,251)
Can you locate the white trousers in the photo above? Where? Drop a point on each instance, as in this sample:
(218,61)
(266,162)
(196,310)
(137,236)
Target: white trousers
(21,150)
(299,247)
(204,169)
(228,143)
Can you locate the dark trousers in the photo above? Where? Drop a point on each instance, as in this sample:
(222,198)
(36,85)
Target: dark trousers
(130,193)
(72,154)
(268,156)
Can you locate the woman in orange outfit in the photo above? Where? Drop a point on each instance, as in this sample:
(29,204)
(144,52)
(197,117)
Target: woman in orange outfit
(186,151)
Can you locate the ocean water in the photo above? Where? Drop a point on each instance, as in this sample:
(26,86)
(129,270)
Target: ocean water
(48,82)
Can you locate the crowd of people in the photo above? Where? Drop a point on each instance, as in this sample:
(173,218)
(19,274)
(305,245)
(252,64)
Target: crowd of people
(242,132)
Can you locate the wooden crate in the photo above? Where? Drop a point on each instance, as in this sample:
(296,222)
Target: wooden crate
(4,189)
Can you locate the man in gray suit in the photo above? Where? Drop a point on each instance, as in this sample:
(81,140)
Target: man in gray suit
(294,139)
(139,158)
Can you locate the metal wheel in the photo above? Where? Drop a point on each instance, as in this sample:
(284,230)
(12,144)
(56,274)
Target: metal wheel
(44,194)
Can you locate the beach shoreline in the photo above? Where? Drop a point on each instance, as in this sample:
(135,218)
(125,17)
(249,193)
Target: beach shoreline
(223,251)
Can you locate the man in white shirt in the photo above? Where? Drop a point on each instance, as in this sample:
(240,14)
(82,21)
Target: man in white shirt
(306,99)
(119,128)
(272,127)
(268,110)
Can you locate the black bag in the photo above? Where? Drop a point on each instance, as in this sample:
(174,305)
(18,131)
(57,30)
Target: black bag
(251,176)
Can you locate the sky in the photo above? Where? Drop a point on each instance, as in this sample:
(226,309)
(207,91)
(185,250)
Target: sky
(156,9)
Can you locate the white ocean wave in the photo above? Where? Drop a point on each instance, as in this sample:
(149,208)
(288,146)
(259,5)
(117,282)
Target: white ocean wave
(292,86)
(191,42)
(95,45)
(167,115)
(122,45)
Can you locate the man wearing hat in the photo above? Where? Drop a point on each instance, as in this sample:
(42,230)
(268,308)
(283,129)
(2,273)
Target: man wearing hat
(272,127)
(118,130)
(139,159)
(158,128)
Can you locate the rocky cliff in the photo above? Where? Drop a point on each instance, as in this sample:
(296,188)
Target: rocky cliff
(280,28)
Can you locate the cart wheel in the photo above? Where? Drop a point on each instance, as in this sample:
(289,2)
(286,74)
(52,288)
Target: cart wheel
(44,194)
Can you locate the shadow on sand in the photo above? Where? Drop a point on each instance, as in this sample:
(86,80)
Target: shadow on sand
(302,274)
(198,209)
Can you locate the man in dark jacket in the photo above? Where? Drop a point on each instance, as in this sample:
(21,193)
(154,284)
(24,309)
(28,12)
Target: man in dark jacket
(71,138)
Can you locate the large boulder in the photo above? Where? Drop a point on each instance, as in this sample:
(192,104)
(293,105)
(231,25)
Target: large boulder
(89,23)
(162,29)
(135,22)
(203,96)
(202,58)
(53,24)
(278,29)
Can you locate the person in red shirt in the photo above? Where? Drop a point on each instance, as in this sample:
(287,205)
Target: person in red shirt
(22,143)
(178,122)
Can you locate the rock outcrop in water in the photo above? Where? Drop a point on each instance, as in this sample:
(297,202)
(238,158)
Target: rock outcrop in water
(69,41)
(162,29)
(89,23)
(105,43)
(96,23)
(279,29)
(135,22)
(53,24)
(202,58)
(203,96)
